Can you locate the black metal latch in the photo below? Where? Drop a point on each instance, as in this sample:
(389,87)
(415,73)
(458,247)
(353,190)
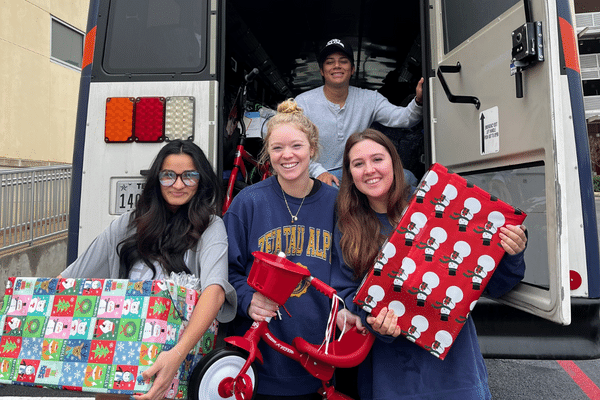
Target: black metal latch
(452,97)
(527,49)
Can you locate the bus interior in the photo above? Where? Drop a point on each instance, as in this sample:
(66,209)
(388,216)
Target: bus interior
(283,39)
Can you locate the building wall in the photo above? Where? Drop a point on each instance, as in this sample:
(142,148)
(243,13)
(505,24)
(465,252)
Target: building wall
(38,100)
(588,31)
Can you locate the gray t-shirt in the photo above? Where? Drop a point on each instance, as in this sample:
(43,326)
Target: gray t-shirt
(208,260)
(361,109)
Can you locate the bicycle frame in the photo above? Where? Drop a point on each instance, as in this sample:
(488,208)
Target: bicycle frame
(239,166)
(241,154)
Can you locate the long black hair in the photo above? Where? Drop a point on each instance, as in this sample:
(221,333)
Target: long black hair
(161,235)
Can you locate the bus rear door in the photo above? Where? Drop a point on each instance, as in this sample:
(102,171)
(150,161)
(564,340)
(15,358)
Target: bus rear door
(507,113)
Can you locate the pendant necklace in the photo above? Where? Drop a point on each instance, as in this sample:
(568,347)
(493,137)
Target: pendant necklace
(294,217)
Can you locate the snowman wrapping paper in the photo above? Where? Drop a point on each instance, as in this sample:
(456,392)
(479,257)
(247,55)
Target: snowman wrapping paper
(95,335)
(437,262)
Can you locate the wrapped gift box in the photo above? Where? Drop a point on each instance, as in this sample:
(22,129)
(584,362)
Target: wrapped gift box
(95,335)
(437,262)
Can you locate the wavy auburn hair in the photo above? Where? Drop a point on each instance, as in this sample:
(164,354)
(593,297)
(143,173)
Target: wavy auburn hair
(361,229)
(161,235)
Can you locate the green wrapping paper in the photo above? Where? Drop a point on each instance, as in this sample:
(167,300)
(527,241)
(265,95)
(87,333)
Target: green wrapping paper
(94,335)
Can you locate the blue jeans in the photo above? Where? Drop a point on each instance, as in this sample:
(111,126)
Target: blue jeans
(338,174)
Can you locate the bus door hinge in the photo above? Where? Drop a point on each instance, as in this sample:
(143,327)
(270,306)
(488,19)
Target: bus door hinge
(527,50)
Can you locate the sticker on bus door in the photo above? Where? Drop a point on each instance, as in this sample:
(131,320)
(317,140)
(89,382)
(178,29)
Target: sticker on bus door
(489,131)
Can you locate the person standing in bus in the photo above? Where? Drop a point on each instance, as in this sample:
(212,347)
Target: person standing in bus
(339,110)
(294,214)
(371,199)
(175,227)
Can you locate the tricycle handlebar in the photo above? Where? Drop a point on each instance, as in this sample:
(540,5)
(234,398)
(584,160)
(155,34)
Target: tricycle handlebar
(321,286)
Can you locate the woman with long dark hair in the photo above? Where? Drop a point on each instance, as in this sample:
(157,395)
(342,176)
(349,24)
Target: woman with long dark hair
(372,196)
(175,227)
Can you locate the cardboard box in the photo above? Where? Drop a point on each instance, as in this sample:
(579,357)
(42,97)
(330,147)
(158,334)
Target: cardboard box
(436,264)
(94,335)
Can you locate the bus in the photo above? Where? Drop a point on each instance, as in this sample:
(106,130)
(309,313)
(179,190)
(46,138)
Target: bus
(503,106)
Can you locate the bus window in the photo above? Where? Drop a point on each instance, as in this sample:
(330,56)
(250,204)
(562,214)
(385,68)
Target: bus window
(523,187)
(463,18)
(155,37)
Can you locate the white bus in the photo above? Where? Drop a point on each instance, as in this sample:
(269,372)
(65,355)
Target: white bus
(503,107)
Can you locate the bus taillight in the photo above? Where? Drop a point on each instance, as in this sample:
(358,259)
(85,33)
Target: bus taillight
(149,119)
(118,125)
(179,118)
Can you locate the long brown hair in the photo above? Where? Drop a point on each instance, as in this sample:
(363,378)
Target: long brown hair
(358,223)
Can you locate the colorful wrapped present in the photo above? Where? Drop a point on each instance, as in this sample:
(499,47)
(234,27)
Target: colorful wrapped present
(95,335)
(437,262)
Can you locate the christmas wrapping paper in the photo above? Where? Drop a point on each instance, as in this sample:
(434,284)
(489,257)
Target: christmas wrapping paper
(95,335)
(437,262)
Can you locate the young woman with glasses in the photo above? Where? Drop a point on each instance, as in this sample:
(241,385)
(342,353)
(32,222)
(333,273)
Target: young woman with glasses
(175,227)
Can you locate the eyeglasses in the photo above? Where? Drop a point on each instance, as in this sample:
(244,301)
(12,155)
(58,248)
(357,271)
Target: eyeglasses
(168,177)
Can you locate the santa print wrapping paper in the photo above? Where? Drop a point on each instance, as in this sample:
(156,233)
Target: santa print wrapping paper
(95,335)
(437,262)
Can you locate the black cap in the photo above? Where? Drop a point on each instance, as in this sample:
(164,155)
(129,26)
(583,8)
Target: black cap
(334,46)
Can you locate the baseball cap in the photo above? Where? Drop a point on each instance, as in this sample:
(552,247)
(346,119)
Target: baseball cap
(334,46)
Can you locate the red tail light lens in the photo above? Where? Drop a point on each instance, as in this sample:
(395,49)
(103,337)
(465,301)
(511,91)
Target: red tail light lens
(149,119)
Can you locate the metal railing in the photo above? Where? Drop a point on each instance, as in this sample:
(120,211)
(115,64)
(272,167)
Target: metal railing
(590,66)
(591,19)
(34,204)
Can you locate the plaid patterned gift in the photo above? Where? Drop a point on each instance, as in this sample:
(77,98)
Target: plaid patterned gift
(95,335)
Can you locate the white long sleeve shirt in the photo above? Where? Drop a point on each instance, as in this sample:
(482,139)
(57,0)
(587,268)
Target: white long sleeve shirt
(336,124)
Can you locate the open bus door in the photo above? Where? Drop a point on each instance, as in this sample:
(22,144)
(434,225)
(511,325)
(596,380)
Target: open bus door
(506,112)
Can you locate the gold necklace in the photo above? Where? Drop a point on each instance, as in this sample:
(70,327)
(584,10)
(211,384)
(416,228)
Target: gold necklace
(294,217)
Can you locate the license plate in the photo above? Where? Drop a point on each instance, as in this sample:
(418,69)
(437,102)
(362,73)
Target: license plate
(127,194)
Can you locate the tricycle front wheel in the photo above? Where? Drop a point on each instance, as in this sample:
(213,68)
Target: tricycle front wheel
(216,377)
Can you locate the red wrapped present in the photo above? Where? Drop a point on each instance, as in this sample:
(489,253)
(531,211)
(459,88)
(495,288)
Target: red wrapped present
(437,262)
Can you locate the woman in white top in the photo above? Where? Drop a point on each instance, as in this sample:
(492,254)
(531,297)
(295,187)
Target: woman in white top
(175,228)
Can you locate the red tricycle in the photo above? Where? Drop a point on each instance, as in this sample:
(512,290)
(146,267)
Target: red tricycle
(228,373)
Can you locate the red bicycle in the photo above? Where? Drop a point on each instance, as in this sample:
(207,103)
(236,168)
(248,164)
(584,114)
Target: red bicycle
(236,117)
(229,373)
